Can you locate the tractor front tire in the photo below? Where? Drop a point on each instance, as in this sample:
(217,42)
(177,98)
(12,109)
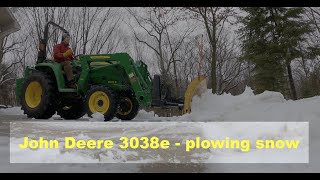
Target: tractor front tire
(38,96)
(128,107)
(103,100)
(72,109)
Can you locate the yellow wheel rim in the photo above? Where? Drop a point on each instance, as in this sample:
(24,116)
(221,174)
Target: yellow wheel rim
(99,102)
(33,94)
(128,100)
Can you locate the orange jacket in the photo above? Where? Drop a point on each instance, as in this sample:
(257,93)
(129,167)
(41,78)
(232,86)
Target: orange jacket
(58,51)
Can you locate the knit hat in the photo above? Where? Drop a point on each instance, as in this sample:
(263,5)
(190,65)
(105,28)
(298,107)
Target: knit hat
(64,35)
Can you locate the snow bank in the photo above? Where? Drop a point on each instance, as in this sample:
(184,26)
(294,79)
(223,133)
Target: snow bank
(267,106)
(97,117)
(247,107)
(11,111)
(142,114)
(17,111)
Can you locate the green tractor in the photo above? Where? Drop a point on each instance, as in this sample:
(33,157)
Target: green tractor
(111,84)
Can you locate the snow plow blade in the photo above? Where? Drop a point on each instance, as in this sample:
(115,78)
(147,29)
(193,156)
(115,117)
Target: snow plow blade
(8,23)
(197,87)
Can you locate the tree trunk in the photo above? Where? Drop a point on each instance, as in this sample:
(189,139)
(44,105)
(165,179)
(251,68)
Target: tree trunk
(1,50)
(213,72)
(214,58)
(176,77)
(219,78)
(292,87)
(163,70)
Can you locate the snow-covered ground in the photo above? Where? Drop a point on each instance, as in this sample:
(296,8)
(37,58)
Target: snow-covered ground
(181,132)
(142,115)
(11,111)
(247,107)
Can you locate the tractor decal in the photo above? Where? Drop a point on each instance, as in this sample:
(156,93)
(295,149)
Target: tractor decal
(100,57)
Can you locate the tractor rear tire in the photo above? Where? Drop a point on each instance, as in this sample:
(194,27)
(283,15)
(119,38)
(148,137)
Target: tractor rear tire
(128,107)
(103,100)
(38,96)
(72,109)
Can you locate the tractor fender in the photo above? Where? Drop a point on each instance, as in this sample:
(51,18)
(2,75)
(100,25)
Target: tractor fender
(54,69)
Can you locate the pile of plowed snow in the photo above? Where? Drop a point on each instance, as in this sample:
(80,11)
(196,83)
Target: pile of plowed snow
(267,106)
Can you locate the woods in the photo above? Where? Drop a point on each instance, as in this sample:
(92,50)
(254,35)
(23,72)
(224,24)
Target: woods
(266,48)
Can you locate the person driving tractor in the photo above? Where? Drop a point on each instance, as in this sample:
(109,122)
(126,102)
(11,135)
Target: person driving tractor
(63,54)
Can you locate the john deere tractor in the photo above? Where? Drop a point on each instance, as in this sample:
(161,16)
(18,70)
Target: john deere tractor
(111,84)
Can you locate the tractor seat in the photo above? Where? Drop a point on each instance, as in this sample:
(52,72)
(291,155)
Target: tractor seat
(76,72)
(48,61)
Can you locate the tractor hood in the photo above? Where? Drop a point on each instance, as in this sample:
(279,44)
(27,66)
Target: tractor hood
(8,23)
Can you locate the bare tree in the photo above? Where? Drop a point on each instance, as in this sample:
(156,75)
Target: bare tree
(214,19)
(93,30)
(163,32)
(188,66)
(8,66)
(173,44)
(229,67)
(11,45)
(96,30)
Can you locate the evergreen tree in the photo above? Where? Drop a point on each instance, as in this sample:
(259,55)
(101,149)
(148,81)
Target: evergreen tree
(271,36)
